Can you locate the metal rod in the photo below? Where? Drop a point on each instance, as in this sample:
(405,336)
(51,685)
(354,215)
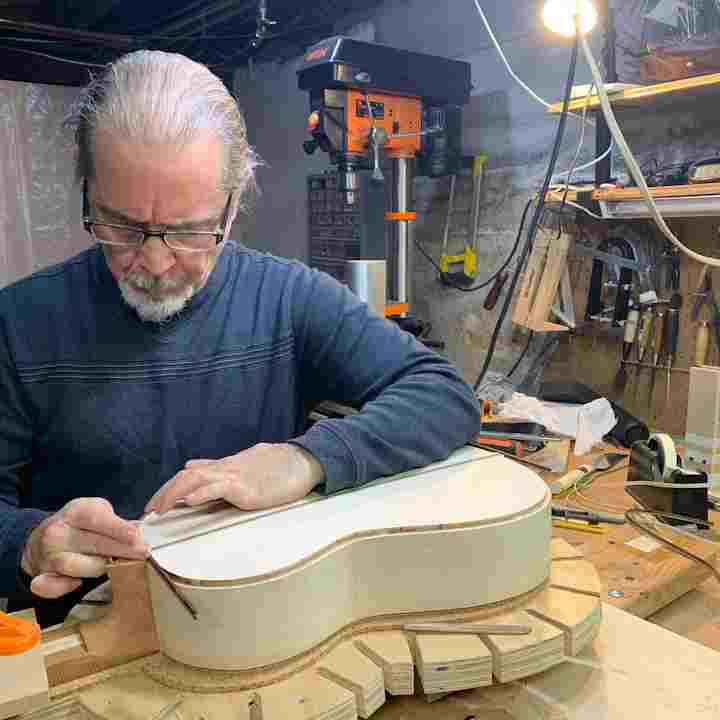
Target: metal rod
(186,603)
(403,230)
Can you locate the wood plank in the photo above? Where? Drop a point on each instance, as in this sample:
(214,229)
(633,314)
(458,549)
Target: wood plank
(354,671)
(561,549)
(138,697)
(577,615)
(307,696)
(550,282)
(519,656)
(642,94)
(23,679)
(390,650)
(576,575)
(446,663)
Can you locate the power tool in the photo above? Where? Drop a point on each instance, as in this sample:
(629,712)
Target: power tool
(371,102)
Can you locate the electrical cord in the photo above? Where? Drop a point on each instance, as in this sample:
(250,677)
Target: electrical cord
(449,282)
(535,222)
(513,75)
(632,515)
(669,485)
(581,142)
(57,58)
(632,164)
(522,355)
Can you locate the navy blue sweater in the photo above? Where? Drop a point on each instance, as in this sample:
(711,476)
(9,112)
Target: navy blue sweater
(96,403)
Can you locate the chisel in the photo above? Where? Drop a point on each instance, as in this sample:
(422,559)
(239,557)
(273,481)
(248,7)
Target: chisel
(702,341)
(644,341)
(631,326)
(671,331)
(658,344)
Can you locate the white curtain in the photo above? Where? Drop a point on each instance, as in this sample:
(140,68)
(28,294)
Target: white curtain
(39,199)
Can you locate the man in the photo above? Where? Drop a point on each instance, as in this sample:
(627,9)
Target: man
(167,364)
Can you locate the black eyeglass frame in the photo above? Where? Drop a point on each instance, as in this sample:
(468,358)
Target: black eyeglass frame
(88,224)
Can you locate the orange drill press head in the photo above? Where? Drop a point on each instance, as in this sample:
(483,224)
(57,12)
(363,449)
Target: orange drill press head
(367,99)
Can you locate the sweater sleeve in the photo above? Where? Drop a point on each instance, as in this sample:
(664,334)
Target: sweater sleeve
(414,408)
(16,437)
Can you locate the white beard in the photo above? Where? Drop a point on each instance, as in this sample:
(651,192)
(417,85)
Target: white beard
(149,310)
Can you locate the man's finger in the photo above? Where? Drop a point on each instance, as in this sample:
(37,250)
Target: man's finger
(99,517)
(75,565)
(213,491)
(50,585)
(182,485)
(88,543)
(198,462)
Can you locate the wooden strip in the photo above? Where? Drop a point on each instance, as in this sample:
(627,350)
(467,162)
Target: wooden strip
(557,251)
(468,629)
(620,194)
(645,92)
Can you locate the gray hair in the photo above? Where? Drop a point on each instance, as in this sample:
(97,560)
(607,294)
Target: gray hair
(157,97)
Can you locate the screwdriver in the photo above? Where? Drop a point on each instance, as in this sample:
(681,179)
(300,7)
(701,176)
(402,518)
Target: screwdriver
(702,341)
(644,340)
(657,342)
(497,288)
(670,343)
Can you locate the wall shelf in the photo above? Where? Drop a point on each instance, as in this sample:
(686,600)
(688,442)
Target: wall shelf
(643,93)
(700,200)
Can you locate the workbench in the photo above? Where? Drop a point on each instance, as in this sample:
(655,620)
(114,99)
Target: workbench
(623,676)
(632,667)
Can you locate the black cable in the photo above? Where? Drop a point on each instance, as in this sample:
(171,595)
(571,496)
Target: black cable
(536,216)
(632,517)
(522,354)
(447,280)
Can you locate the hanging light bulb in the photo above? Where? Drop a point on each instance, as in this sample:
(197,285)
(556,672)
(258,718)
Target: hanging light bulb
(559,16)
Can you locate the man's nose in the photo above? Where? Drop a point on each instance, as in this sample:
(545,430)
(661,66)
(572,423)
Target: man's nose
(156,257)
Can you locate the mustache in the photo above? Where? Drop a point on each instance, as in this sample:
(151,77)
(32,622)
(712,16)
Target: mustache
(152,284)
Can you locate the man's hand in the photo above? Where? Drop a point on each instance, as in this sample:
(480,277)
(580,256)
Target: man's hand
(75,543)
(263,476)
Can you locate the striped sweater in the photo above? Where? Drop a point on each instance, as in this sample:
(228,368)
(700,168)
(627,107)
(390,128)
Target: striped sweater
(96,403)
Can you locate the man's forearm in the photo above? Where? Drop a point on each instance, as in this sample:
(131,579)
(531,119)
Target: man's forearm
(419,419)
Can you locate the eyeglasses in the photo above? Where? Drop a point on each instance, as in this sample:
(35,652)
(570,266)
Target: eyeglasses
(127,236)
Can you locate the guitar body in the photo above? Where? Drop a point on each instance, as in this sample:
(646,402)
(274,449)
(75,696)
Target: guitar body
(270,588)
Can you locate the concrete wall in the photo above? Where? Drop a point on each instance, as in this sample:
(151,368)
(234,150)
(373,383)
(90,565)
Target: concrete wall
(502,121)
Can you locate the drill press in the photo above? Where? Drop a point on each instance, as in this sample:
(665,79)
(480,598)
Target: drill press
(372,105)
